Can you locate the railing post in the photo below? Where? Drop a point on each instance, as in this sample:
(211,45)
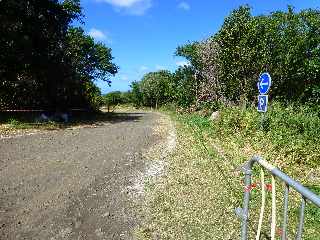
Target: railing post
(245,210)
(285,212)
(301,219)
(289,183)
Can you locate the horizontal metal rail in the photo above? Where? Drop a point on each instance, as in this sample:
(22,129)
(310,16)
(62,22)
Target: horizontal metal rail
(289,182)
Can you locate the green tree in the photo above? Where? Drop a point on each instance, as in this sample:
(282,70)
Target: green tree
(88,61)
(46,63)
(113,99)
(157,88)
(286,44)
(136,94)
(32,37)
(185,86)
(235,46)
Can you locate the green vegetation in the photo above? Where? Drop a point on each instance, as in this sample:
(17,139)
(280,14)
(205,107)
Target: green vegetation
(225,67)
(203,185)
(45,63)
(192,201)
(113,99)
(160,88)
(289,136)
(223,75)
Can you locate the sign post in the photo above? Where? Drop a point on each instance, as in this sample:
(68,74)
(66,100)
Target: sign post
(264,85)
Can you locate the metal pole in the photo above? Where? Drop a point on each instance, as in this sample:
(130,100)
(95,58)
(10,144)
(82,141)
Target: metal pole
(263,204)
(301,219)
(274,210)
(289,183)
(262,121)
(285,212)
(245,213)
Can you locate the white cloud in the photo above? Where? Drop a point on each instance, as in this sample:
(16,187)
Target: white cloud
(159,67)
(184,6)
(182,63)
(122,3)
(143,69)
(124,77)
(97,34)
(134,7)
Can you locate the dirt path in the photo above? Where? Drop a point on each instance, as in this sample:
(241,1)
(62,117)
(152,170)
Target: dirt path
(73,184)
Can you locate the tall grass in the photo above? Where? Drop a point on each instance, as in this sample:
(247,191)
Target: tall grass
(204,184)
(286,136)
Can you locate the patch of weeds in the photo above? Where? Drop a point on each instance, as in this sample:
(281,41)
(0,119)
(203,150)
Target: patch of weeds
(196,202)
(15,124)
(312,217)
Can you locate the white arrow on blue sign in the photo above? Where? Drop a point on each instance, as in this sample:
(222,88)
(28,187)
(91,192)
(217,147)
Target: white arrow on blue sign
(264,83)
(262,103)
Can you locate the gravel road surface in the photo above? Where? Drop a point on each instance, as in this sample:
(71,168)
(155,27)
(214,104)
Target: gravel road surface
(73,184)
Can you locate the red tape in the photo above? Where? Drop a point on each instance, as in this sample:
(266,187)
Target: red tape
(255,185)
(269,187)
(250,187)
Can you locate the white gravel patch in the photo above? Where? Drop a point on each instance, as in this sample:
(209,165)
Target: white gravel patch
(155,168)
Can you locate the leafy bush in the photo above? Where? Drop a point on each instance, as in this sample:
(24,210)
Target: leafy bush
(286,44)
(13,122)
(290,134)
(289,142)
(225,67)
(59,71)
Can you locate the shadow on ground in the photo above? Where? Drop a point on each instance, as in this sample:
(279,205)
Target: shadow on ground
(30,120)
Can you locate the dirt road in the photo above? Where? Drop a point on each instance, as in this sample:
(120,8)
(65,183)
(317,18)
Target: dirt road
(73,184)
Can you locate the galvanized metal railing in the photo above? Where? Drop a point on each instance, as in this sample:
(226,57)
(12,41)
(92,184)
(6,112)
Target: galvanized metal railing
(289,183)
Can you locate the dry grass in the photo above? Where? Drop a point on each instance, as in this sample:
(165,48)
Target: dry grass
(202,186)
(193,200)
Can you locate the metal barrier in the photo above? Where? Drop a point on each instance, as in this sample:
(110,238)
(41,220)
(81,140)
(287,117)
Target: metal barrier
(289,182)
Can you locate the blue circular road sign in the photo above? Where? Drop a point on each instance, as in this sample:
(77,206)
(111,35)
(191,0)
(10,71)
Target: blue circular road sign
(264,83)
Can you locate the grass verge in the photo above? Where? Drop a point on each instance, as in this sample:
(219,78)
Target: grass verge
(203,185)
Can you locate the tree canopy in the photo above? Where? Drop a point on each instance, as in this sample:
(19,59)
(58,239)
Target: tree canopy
(45,62)
(226,66)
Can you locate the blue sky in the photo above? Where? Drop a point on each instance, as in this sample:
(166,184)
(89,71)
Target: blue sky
(144,34)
